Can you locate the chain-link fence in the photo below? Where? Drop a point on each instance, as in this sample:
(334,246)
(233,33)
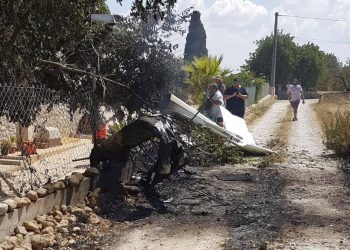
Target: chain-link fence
(41,132)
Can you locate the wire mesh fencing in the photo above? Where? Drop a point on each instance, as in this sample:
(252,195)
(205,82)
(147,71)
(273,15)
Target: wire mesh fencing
(41,132)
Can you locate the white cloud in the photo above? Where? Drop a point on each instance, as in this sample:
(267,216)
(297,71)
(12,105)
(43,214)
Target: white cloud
(232,26)
(234,13)
(238,8)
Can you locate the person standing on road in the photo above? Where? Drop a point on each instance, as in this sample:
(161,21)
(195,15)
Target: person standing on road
(295,93)
(216,100)
(235,96)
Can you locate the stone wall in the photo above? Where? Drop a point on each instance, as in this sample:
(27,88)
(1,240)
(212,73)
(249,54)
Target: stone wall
(58,117)
(7,129)
(71,191)
(334,96)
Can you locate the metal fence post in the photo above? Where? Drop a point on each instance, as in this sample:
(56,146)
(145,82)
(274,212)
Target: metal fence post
(94,110)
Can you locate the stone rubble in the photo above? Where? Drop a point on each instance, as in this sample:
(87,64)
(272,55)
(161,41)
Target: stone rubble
(59,185)
(12,204)
(21,230)
(63,227)
(3,208)
(32,195)
(42,192)
(60,228)
(91,172)
(22,202)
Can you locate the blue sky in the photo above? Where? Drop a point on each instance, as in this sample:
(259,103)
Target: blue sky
(232,26)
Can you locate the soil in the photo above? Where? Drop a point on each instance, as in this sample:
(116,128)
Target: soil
(301,203)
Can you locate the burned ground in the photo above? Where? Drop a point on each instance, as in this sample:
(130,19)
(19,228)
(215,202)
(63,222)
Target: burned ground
(243,214)
(298,202)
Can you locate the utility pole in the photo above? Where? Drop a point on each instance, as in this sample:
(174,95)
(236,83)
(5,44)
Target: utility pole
(274,53)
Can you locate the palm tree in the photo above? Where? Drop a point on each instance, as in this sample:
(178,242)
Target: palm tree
(199,72)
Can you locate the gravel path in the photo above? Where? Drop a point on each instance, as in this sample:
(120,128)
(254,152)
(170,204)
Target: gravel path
(316,190)
(263,129)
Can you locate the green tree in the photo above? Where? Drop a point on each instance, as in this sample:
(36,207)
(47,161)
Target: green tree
(196,38)
(310,65)
(343,77)
(199,72)
(34,30)
(260,61)
(136,57)
(52,43)
(335,74)
(155,8)
(314,68)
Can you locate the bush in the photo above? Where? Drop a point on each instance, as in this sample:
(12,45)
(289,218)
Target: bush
(115,128)
(206,148)
(336,127)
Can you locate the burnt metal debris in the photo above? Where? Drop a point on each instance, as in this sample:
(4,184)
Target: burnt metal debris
(147,146)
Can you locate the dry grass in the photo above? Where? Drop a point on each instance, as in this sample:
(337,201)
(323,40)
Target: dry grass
(256,111)
(334,116)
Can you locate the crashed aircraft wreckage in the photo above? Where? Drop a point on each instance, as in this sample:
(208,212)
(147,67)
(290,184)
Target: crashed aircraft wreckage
(236,130)
(153,136)
(155,140)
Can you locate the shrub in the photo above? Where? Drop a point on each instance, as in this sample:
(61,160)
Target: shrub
(204,148)
(5,146)
(115,128)
(336,127)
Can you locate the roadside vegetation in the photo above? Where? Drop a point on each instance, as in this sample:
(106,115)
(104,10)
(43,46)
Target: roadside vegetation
(315,68)
(199,73)
(334,116)
(255,111)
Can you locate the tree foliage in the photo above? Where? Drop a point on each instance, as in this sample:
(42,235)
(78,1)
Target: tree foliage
(196,38)
(310,65)
(34,30)
(53,43)
(313,67)
(155,8)
(337,75)
(199,72)
(260,61)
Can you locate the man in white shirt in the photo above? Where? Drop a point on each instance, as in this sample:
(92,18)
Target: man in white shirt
(216,99)
(295,93)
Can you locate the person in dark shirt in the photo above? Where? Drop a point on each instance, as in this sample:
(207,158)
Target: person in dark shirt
(234,97)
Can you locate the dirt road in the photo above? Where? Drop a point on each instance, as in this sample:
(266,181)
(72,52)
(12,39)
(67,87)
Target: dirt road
(302,203)
(316,190)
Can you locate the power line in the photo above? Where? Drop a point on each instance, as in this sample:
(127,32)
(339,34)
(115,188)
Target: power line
(322,40)
(317,18)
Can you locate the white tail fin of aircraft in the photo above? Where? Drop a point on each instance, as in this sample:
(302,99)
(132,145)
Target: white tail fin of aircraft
(236,130)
